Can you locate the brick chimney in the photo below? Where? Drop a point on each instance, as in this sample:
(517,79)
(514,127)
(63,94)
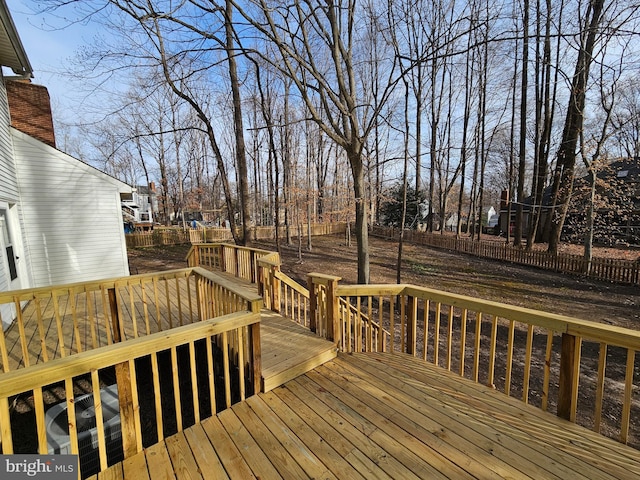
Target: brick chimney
(30,108)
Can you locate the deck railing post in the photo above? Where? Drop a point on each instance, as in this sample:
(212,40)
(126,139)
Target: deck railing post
(313,304)
(223,262)
(123,380)
(194,259)
(275,289)
(115,316)
(260,281)
(255,357)
(331,308)
(569,375)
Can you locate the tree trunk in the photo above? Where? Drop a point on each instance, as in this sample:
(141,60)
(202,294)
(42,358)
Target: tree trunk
(522,150)
(241,156)
(564,173)
(362,234)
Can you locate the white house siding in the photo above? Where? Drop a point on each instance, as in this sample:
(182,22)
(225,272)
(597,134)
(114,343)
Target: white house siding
(9,201)
(8,182)
(71,213)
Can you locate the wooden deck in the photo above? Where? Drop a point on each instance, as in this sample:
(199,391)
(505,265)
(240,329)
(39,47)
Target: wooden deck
(385,416)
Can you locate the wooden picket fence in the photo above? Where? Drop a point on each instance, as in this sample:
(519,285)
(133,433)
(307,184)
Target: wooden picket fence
(175,236)
(607,269)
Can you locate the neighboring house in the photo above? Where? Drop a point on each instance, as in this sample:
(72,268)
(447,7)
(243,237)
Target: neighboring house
(617,207)
(139,208)
(60,219)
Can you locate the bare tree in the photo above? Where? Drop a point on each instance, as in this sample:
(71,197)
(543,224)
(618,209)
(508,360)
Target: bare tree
(563,175)
(317,43)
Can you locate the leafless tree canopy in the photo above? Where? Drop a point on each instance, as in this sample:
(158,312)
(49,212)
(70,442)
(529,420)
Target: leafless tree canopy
(259,112)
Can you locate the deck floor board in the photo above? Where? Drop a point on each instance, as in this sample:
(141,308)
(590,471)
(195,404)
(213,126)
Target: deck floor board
(388,416)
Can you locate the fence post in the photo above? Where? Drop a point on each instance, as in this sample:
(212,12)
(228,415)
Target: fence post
(569,376)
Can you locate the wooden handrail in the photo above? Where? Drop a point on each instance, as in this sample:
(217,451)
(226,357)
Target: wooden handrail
(253,300)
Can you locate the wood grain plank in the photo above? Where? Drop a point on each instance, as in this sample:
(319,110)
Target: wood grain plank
(247,446)
(281,459)
(321,448)
(159,462)
(204,454)
(136,467)
(235,466)
(305,457)
(350,423)
(343,446)
(182,459)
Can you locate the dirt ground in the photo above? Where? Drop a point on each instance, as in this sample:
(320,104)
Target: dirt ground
(487,279)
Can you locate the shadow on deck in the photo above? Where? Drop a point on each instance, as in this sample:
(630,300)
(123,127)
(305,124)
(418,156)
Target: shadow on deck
(382,416)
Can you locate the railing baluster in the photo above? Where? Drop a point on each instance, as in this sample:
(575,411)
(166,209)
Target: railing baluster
(41,428)
(449,336)
(527,365)
(436,334)
(463,340)
(157,396)
(97,406)
(492,351)
(602,365)
(507,377)
(476,347)
(628,396)
(547,371)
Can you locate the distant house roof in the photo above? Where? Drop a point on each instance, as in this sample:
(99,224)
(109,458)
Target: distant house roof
(626,170)
(12,53)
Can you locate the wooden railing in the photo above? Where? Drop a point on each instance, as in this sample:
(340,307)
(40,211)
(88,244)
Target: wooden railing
(241,262)
(280,292)
(166,381)
(548,360)
(56,322)
(608,269)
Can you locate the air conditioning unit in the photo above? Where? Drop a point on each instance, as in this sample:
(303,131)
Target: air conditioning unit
(58,440)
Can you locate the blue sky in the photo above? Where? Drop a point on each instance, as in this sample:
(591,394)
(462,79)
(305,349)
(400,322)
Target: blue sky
(49,50)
